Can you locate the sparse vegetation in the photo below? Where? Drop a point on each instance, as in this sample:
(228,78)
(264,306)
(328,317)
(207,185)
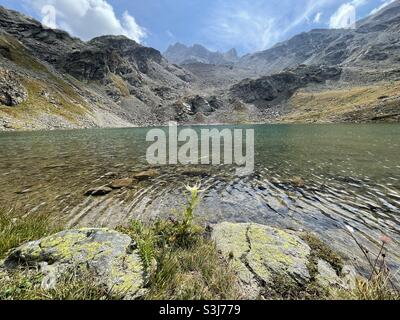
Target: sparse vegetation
(16,229)
(27,286)
(121,85)
(62,104)
(285,288)
(379,285)
(345,104)
(377,288)
(183,263)
(19,54)
(320,250)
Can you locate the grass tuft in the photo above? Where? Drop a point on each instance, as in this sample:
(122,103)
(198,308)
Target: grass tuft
(16,229)
(27,286)
(377,288)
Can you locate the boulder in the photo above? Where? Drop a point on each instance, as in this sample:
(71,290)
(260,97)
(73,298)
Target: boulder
(110,256)
(262,254)
(12,92)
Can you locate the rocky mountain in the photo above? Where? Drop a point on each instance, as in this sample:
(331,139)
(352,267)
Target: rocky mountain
(49,79)
(108,81)
(181,54)
(283,85)
(375,43)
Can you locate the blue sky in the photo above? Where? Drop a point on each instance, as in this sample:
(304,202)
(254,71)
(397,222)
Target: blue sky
(248,26)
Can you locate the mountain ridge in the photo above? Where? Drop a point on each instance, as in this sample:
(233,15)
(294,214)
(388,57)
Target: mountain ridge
(181,54)
(358,47)
(50,80)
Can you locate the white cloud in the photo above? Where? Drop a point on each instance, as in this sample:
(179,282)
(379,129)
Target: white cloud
(383,5)
(236,24)
(170,34)
(256,25)
(317,18)
(90,18)
(345,16)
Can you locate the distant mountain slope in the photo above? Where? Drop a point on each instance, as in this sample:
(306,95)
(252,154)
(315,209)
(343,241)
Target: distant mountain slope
(375,43)
(49,79)
(135,83)
(181,54)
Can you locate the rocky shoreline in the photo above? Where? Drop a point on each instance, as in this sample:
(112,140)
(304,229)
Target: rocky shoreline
(264,259)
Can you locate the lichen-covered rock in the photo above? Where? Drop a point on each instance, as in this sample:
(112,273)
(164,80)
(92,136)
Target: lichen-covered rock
(110,256)
(261,254)
(12,92)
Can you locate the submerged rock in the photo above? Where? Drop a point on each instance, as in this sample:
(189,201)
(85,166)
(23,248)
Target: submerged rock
(196,171)
(110,256)
(146,175)
(121,183)
(96,192)
(296,182)
(261,254)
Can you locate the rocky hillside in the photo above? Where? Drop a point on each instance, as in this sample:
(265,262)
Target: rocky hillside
(281,86)
(181,54)
(49,79)
(375,43)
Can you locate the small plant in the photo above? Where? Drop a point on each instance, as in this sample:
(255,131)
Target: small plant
(179,233)
(145,239)
(187,231)
(182,263)
(379,284)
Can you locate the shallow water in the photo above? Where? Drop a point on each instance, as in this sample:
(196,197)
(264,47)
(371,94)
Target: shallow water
(350,173)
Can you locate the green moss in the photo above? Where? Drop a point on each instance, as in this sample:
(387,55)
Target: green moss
(320,250)
(130,278)
(285,288)
(67,245)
